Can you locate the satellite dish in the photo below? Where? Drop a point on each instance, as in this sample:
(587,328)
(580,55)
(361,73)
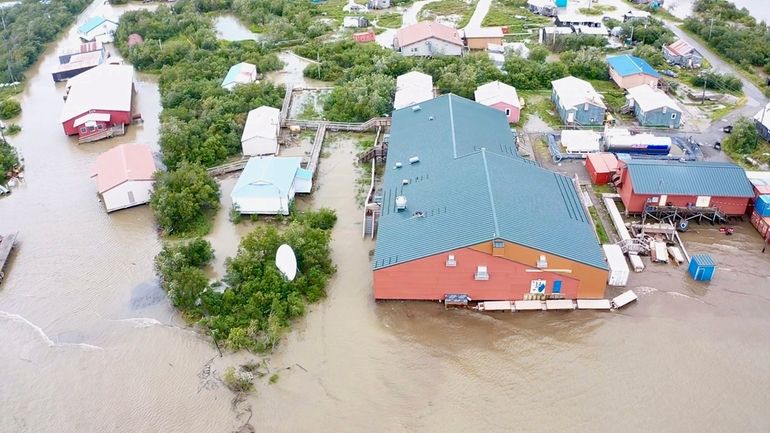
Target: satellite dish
(286,262)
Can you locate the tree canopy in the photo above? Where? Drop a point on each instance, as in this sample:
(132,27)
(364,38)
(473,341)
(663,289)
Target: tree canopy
(183,199)
(744,138)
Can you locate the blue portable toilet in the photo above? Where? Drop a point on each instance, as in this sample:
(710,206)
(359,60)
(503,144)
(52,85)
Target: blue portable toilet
(762,206)
(702,267)
(561,3)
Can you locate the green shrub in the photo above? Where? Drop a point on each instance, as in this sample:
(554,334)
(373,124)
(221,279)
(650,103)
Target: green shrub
(13,129)
(238,381)
(183,199)
(9,108)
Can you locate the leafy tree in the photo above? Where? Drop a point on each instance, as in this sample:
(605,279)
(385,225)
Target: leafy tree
(649,32)
(9,108)
(179,267)
(361,99)
(717,81)
(538,54)
(590,64)
(744,138)
(650,54)
(182,198)
(8,159)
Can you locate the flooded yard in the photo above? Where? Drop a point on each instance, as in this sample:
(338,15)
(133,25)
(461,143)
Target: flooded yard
(230,28)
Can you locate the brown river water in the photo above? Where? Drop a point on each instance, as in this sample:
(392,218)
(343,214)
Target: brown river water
(89,343)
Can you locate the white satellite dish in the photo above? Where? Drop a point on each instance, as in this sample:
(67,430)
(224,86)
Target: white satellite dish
(286,262)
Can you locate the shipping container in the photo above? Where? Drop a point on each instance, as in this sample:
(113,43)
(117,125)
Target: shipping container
(762,206)
(762,224)
(702,267)
(616,261)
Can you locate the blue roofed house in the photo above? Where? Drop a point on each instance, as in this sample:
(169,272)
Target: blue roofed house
(268,185)
(629,71)
(577,102)
(462,215)
(653,107)
(98,29)
(242,73)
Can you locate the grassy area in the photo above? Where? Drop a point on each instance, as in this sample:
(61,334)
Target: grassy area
(719,113)
(390,20)
(603,189)
(614,96)
(446,8)
(596,9)
(539,103)
(509,12)
(603,238)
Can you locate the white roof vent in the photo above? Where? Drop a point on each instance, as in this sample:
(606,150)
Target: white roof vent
(405,182)
(451,262)
(416,108)
(398,165)
(542,263)
(401,202)
(430,118)
(414,159)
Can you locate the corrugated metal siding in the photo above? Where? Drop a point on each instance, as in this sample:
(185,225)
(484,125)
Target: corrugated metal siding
(689,178)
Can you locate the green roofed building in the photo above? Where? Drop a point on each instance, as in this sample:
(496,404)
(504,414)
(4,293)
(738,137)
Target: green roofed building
(462,213)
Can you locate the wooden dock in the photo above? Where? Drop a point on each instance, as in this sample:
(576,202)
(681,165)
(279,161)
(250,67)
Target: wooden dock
(7,243)
(315,151)
(228,167)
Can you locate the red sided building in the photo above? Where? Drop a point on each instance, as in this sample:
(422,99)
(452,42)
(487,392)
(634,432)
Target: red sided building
(98,100)
(645,182)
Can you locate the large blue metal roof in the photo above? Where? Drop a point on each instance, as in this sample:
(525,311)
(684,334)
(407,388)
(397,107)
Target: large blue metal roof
(470,186)
(715,179)
(629,65)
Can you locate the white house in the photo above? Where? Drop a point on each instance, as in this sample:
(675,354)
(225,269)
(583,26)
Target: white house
(428,38)
(379,4)
(260,134)
(412,88)
(354,22)
(98,29)
(268,184)
(124,176)
(242,73)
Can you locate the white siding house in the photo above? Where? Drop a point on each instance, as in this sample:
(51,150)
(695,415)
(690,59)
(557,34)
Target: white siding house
(412,88)
(260,134)
(124,176)
(98,29)
(428,39)
(268,184)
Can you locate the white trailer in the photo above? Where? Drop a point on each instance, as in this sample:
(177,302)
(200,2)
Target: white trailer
(616,261)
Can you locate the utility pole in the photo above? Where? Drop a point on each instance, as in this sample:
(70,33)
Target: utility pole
(705,80)
(318,63)
(711,28)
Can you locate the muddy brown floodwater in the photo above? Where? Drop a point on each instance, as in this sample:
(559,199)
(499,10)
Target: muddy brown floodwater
(90,344)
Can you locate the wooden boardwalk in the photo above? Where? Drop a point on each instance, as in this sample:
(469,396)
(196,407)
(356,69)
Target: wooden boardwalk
(229,167)
(6,245)
(315,151)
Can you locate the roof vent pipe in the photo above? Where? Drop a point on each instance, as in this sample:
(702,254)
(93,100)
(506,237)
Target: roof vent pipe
(405,182)
(416,108)
(398,165)
(414,159)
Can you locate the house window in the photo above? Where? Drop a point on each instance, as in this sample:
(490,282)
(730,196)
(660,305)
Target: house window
(481,274)
(450,261)
(131,197)
(83,130)
(100,126)
(673,115)
(497,243)
(507,111)
(665,110)
(585,106)
(414,50)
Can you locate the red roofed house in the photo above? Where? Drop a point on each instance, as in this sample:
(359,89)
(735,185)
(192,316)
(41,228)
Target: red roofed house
(683,54)
(500,96)
(99,102)
(367,36)
(601,166)
(124,176)
(428,39)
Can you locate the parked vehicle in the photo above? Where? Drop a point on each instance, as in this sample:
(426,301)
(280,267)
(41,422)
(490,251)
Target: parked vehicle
(670,73)
(718,146)
(727,129)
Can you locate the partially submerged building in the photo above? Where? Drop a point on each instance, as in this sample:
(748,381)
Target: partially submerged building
(260,133)
(629,71)
(500,96)
(464,216)
(412,88)
(73,62)
(268,184)
(428,38)
(99,102)
(683,54)
(577,102)
(242,73)
(652,107)
(124,176)
(649,182)
(98,29)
